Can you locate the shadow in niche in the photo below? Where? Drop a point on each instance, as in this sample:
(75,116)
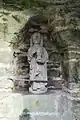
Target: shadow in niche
(34,24)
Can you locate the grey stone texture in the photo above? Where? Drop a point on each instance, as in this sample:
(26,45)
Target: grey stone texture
(56,105)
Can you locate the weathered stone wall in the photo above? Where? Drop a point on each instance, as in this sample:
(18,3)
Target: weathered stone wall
(21,67)
(71,64)
(12,104)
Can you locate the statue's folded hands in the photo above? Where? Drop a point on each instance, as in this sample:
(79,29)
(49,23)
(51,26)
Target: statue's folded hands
(40,61)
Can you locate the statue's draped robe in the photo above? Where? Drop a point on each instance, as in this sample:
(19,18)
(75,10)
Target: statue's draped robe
(38,57)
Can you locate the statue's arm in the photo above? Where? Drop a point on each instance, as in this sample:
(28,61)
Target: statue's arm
(46,56)
(29,55)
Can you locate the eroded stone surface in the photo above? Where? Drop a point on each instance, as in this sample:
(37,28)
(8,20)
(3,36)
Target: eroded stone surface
(55,105)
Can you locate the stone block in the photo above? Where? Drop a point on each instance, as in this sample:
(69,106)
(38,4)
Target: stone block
(55,105)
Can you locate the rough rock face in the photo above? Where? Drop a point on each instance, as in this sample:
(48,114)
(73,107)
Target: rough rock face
(63,58)
(20,52)
(63,24)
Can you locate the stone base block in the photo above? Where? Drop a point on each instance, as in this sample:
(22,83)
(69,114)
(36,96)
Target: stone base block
(54,106)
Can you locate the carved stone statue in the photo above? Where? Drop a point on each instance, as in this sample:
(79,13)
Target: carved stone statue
(38,58)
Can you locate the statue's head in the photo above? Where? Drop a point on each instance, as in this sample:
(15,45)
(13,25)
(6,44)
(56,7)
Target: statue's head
(36,38)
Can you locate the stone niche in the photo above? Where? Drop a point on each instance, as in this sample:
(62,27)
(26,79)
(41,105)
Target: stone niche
(20,61)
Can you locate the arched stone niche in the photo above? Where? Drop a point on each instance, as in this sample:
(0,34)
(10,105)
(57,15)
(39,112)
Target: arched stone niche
(20,49)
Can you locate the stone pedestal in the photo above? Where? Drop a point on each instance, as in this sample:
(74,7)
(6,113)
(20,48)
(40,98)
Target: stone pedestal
(56,105)
(38,88)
